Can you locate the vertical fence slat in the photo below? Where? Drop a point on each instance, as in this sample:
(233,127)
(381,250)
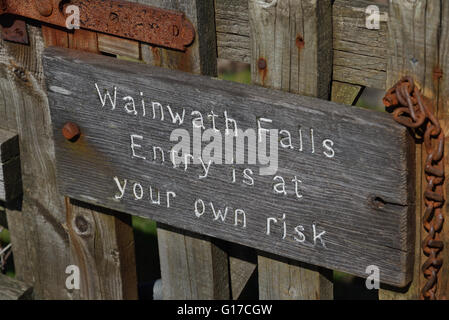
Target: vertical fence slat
(101,241)
(39,240)
(192,266)
(413,44)
(102,246)
(291,44)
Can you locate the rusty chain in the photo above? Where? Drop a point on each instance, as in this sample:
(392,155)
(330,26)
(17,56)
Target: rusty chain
(411,109)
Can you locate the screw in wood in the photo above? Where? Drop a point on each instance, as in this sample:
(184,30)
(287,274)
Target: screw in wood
(45,7)
(71,131)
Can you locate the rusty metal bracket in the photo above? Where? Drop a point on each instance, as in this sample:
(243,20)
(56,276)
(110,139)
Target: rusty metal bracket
(125,19)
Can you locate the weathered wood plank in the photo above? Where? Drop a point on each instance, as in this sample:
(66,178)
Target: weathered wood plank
(118,46)
(292,46)
(101,241)
(12,289)
(35,223)
(102,246)
(413,51)
(291,280)
(233,34)
(372,140)
(199,58)
(233,43)
(242,266)
(197,260)
(291,51)
(345,93)
(360,54)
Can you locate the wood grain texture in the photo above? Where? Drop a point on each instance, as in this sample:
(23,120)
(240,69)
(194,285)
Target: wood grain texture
(360,54)
(36,223)
(413,51)
(105,254)
(102,245)
(293,40)
(233,34)
(11,289)
(243,269)
(118,46)
(233,43)
(291,280)
(198,260)
(357,135)
(199,58)
(345,93)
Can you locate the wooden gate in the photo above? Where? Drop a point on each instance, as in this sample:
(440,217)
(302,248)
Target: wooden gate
(324,49)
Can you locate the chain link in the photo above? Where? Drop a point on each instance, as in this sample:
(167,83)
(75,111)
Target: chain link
(411,109)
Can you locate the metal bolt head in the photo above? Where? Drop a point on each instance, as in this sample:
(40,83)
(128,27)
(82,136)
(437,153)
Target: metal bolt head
(71,131)
(45,7)
(262,64)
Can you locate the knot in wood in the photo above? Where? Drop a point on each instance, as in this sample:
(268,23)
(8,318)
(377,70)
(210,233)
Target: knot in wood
(81,225)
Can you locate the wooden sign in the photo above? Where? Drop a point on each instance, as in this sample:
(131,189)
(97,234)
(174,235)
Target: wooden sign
(335,196)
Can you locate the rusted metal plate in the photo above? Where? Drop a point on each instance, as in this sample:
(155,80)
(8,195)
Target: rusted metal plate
(135,21)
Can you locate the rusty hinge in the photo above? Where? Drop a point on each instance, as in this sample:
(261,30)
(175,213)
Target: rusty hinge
(125,19)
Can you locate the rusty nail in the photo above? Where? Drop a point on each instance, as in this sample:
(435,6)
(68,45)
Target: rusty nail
(437,73)
(45,7)
(300,41)
(71,131)
(262,64)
